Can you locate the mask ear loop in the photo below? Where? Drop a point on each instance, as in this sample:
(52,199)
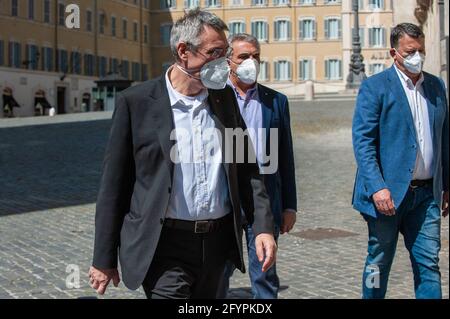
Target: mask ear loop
(187,73)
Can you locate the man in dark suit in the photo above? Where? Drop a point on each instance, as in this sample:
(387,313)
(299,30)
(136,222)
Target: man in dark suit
(400,139)
(266,115)
(169,205)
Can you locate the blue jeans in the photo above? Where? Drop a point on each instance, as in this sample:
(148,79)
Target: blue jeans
(264,285)
(419,220)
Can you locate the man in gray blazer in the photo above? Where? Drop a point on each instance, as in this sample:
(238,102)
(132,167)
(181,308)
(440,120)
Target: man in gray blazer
(171,216)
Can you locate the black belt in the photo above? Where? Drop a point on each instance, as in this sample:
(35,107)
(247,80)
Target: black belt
(199,226)
(421,183)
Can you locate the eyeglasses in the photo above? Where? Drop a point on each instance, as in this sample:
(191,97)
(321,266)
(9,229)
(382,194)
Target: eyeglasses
(216,53)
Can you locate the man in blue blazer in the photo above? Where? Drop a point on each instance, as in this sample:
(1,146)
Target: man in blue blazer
(400,140)
(266,115)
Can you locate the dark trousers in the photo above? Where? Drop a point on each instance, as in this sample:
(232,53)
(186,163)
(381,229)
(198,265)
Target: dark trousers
(187,265)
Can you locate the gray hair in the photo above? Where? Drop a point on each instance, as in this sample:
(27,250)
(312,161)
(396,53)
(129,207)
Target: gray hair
(243,37)
(189,28)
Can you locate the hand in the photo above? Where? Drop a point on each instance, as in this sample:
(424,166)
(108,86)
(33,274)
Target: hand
(384,202)
(266,250)
(288,222)
(444,207)
(99,278)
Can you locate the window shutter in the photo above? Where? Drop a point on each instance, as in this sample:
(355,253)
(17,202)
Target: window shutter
(327,29)
(327,69)
(314,24)
(300,29)
(276,29)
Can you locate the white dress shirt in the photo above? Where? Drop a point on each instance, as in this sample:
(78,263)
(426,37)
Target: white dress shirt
(200,187)
(419,109)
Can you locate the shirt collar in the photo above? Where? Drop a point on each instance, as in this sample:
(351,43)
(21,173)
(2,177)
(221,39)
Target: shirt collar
(178,98)
(251,94)
(407,80)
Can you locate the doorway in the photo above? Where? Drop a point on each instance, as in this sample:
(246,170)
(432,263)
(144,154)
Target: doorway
(61,100)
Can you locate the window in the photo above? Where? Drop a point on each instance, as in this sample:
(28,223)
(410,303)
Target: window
(145,33)
(332,1)
(212,3)
(15,55)
(88,64)
(63,65)
(2,52)
(282,30)
(283,70)
(260,30)
(305,70)
(259,2)
(47,11)
(125,68)
(114,65)
(135,71)
(307,29)
(332,28)
(102,22)
(113,26)
(307,2)
(47,59)
(376,68)
(31,9)
(61,14)
(102,66)
(188,4)
(146,4)
(124,29)
(166,4)
(236,2)
(376,4)
(361,4)
(281,2)
(165,30)
(377,37)
(263,71)
(362,38)
(144,72)
(88,21)
(333,69)
(14,8)
(32,58)
(236,27)
(135,31)
(75,62)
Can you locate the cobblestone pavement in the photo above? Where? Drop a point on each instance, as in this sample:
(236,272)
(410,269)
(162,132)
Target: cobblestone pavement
(49,176)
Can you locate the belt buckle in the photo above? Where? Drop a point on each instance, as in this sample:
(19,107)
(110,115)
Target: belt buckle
(413,186)
(201,227)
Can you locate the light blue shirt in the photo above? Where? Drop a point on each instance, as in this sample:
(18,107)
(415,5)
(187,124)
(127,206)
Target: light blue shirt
(251,111)
(200,187)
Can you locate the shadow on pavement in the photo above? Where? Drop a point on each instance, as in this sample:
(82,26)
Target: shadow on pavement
(50,166)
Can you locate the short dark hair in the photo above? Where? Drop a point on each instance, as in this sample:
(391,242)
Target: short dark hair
(401,29)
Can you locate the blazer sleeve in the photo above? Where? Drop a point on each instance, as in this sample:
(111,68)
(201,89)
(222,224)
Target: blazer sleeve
(286,160)
(445,142)
(116,188)
(365,138)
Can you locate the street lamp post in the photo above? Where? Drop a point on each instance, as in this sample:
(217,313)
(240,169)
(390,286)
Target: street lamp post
(357,68)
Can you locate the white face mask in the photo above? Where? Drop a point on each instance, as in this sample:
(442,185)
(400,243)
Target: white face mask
(248,71)
(213,75)
(414,62)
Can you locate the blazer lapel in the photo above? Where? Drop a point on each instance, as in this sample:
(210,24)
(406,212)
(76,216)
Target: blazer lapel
(400,95)
(163,120)
(267,111)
